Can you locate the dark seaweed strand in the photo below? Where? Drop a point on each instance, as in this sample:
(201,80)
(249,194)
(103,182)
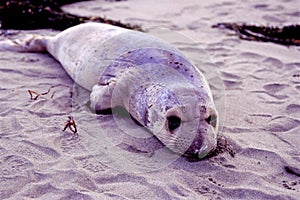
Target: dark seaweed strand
(292,170)
(287,35)
(45,14)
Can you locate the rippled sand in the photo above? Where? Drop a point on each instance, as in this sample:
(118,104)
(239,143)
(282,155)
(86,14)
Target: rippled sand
(260,114)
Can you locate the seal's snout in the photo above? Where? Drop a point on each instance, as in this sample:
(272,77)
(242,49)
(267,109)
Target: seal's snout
(204,142)
(191,133)
(201,147)
(195,147)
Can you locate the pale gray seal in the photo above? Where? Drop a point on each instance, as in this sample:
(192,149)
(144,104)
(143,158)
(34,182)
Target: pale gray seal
(153,81)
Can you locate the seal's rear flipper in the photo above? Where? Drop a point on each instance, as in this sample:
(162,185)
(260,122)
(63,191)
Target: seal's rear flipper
(30,43)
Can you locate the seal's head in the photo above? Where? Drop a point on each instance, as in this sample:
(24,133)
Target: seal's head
(185,120)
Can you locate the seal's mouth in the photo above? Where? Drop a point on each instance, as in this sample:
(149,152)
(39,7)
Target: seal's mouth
(199,153)
(203,144)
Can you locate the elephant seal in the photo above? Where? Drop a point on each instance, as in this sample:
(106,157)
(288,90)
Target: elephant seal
(152,80)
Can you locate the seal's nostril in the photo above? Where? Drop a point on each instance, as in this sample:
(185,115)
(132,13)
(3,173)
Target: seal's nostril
(208,119)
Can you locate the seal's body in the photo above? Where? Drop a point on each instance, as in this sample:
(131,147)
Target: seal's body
(158,86)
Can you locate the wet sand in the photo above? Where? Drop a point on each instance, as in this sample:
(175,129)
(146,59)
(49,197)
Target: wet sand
(256,86)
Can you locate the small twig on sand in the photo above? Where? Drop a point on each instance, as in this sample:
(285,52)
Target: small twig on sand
(71,125)
(35,95)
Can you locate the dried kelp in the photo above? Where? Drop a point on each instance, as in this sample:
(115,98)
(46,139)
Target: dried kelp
(45,14)
(286,35)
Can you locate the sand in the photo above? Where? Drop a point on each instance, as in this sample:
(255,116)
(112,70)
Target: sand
(257,90)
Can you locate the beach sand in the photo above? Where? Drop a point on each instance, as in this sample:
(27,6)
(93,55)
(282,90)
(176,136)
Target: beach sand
(257,90)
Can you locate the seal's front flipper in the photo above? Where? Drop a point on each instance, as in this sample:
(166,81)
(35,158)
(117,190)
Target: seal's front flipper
(101,102)
(100,98)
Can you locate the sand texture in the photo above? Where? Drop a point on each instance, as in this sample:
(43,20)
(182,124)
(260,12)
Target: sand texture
(257,90)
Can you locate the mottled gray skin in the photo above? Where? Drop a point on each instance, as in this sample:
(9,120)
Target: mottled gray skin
(158,86)
(153,84)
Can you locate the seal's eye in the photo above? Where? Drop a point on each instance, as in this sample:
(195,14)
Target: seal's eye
(212,119)
(173,122)
(208,120)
